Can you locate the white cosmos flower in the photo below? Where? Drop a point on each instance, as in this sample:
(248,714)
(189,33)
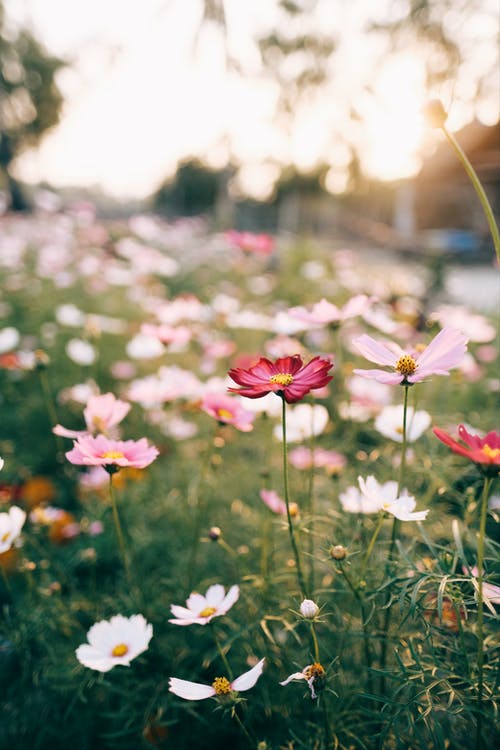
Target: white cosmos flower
(2,463)
(302,422)
(81,352)
(386,495)
(353,501)
(390,423)
(9,339)
(309,609)
(114,642)
(11,524)
(196,691)
(201,609)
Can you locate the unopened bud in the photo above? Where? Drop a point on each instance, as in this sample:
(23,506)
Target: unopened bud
(215,533)
(435,114)
(309,609)
(338,552)
(42,359)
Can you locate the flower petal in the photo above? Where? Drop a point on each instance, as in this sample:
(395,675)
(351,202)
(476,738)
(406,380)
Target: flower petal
(248,679)
(375,351)
(191,691)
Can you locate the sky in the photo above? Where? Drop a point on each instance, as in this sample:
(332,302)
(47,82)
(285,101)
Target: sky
(143,92)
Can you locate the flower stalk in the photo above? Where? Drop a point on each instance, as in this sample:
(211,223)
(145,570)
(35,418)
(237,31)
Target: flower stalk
(118,527)
(480,608)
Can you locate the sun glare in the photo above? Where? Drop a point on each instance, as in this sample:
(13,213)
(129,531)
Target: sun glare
(394,120)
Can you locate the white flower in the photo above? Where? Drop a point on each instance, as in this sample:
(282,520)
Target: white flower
(114,642)
(302,422)
(196,691)
(11,524)
(2,463)
(81,352)
(201,609)
(144,347)
(353,501)
(387,497)
(309,609)
(390,423)
(9,339)
(313,674)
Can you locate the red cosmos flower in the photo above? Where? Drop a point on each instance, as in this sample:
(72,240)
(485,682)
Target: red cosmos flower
(484,451)
(287,377)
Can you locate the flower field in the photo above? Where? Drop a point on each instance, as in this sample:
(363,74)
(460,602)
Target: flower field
(248,494)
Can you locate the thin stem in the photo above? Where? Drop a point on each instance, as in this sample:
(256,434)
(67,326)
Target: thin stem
(480,608)
(51,409)
(366,639)
(300,575)
(372,543)
(243,728)
(118,527)
(310,495)
(488,211)
(314,642)
(221,652)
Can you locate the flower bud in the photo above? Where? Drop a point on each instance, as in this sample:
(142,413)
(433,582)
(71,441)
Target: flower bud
(338,552)
(435,114)
(215,533)
(309,609)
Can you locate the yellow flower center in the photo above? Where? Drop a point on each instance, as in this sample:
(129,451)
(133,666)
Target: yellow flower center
(112,454)
(120,650)
(282,378)
(98,424)
(294,509)
(224,414)
(5,536)
(314,670)
(406,365)
(490,452)
(221,685)
(207,612)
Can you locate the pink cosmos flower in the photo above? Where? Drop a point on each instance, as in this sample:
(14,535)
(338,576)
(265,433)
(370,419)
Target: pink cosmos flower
(260,244)
(324,312)
(220,687)
(484,451)
(226,409)
(303,458)
(115,454)
(287,377)
(101,413)
(444,352)
(275,503)
(200,610)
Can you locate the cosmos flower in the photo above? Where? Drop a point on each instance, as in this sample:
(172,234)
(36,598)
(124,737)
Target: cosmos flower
(102,412)
(484,451)
(386,495)
(309,609)
(228,410)
(259,244)
(287,377)
(11,524)
(324,312)
(114,642)
(390,423)
(303,458)
(101,451)
(303,421)
(444,352)
(220,687)
(275,503)
(313,674)
(200,610)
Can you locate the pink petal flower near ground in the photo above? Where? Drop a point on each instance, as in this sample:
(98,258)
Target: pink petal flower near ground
(227,410)
(287,377)
(101,451)
(445,351)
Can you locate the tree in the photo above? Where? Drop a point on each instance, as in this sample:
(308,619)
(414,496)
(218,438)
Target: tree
(30,100)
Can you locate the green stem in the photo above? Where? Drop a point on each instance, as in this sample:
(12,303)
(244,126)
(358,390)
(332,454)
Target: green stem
(300,575)
(51,409)
(118,527)
(480,608)
(372,543)
(221,652)
(251,740)
(488,211)
(366,639)
(314,642)
(310,495)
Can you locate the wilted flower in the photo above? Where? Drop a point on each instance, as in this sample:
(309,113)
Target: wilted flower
(484,451)
(220,687)
(390,423)
(287,377)
(202,609)
(444,352)
(228,410)
(313,674)
(112,454)
(114,642)
(11,524)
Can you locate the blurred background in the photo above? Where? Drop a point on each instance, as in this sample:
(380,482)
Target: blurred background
(270,115)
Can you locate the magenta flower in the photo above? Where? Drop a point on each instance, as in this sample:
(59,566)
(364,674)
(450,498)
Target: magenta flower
(227,410)
(287,377)
(260,244)
(484,451)
(275,503)
(444,352)
(101,413)
(111,454)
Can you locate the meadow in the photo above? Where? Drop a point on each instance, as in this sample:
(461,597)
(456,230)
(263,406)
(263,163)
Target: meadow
(306,561)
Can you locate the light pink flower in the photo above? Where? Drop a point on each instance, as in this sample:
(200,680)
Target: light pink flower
(200,610)
(303,458)
(259,244)
(275,503)
(176,336)
(443,353)
(101,414)
(324,312)
(226,409)
(101,451)
(196,691)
